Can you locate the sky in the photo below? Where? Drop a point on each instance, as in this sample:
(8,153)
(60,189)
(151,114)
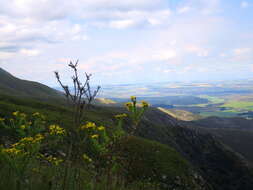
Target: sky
(130,41)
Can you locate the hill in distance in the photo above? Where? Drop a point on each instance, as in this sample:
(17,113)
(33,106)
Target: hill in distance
(10,85)
(180,114)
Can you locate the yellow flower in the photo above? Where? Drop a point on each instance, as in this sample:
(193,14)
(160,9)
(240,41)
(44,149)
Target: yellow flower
(1,119)
(94,136)
(15,113)
(101,128)
(36,114)
(56,130)
(86,158)
(23,115)
(22,127)
(120,116)
(38,138)
(129,105)
(144,104)
(29,140)
(88,125)
(15,145)
(26,140)
(12,151)
(52,160)
(133,98)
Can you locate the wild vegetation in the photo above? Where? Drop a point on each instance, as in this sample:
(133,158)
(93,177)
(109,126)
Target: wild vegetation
(83,155)
(132,148)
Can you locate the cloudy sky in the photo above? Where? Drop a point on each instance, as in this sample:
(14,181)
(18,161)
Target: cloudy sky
(128,41)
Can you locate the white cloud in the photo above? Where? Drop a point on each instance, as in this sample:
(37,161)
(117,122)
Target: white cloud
(121,24)
(244,4)
(242,51)
(58,9)
(164,55)
(100,33)
(5,55)
(201,52)
(185,9)
(27,24)
(205,7)
(242,55)
(30,52)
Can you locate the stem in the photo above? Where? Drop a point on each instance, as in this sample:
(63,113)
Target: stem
(68,165)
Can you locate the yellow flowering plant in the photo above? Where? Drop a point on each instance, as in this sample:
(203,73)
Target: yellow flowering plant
(20,156)
(119,132)
(20,125)
(94,138)
(26,152)
(136,111)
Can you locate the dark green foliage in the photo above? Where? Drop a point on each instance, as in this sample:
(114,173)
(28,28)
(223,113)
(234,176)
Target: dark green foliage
(234,132)
(151,161)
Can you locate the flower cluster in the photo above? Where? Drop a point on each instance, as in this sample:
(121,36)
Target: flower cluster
(31,140)
(18,114)
(86,158)
(21,147)
(12,151)
(95,136)
(51,159)
(27,142)
(129,106)
(136,111)
(120,116)
(101,128)
(88,125)
(144,104)
(23,127)
(90,128)
(36,114)
(56,130)
(133,98)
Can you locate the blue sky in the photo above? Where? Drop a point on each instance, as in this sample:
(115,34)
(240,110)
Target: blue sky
(130,41)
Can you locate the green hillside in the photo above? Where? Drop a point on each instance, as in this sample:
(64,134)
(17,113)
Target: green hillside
(185,153)
(11,85)
(163,153)
(180,114)
(155,157)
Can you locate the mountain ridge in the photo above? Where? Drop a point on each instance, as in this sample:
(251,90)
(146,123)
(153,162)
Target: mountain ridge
(11,85)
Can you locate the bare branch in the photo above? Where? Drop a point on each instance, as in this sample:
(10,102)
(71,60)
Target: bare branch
(82,95)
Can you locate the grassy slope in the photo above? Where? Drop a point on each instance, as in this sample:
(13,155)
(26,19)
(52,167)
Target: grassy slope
(218,164)
(202,151)
(235,132)
(240,140)
(241,105)
(181,114)
(155,157)
(150,159)
(11,85)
